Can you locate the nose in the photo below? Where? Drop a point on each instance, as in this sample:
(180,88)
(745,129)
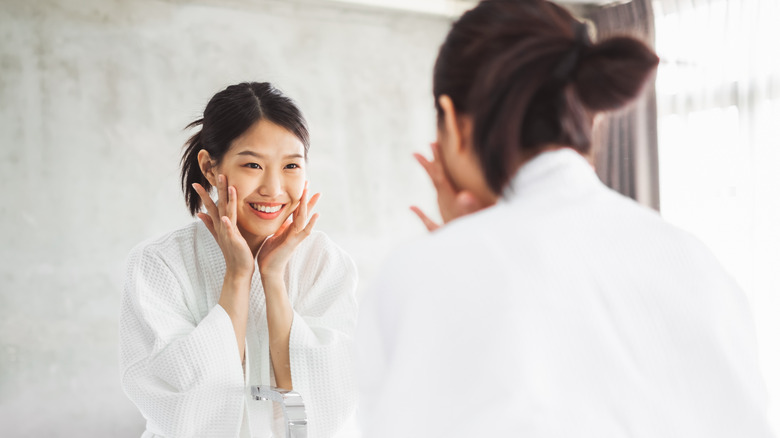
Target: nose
(270,183)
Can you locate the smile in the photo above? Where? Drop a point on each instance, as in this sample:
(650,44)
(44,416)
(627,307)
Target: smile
(266,208)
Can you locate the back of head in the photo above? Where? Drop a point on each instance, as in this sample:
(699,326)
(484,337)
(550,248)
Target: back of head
(528,74)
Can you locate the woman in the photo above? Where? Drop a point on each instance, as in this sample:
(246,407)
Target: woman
(565,310)
(245,296)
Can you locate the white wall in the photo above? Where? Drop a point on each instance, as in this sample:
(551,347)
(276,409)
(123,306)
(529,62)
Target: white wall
(93,98)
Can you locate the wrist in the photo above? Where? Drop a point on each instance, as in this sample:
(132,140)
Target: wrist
(234,297)
(238,278)
(271,278)
(272,273)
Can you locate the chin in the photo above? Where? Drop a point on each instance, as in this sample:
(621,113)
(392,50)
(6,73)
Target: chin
(263,228)
(263,231)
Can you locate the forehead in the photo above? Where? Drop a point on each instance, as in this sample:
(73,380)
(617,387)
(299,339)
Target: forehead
(268,139)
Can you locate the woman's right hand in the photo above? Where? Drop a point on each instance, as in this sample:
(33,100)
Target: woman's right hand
(452,204)
(220,219)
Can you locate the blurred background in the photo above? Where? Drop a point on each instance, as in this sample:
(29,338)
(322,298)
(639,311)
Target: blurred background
(94,96)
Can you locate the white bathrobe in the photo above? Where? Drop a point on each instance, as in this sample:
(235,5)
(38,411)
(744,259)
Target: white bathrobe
(178,354)
(564,311)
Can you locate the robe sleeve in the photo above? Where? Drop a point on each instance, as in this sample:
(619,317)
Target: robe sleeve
(324,320)
(184,375)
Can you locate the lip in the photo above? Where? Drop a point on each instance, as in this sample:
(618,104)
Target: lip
(263,215)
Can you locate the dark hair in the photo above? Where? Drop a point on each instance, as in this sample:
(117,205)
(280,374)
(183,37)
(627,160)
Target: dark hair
(229,114)
(528,74)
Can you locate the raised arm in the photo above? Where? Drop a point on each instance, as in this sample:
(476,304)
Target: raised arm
(220,219)
(273,257)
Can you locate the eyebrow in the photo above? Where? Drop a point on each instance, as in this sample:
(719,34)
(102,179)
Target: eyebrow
(261,156)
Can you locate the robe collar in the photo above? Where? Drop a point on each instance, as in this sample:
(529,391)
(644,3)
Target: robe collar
(558,172)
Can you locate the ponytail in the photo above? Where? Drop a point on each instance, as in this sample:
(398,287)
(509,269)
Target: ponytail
(190,169)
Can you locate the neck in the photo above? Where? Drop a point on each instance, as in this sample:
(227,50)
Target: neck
(254,241)
(525,158)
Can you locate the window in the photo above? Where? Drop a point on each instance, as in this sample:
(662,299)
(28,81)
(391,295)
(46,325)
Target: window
(718,91)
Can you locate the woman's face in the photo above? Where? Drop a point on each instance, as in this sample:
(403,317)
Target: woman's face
(266,165)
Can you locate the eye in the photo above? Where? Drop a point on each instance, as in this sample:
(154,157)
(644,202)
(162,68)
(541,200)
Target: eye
(252,166)
(292,166)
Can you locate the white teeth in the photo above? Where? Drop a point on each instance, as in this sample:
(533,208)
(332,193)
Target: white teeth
(265,209)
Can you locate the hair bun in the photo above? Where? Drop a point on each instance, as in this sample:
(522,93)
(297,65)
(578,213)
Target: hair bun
(613,72)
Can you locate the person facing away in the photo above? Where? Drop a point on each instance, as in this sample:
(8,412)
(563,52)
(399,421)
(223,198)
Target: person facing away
(563,309)
(250,294)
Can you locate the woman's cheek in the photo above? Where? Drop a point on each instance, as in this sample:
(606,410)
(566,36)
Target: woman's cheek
(299,184)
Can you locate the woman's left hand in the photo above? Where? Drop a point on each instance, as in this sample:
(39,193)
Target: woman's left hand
(452,203)
(278,248)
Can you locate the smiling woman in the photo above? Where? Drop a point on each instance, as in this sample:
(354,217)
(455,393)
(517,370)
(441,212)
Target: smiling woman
(250,295)
(265,165)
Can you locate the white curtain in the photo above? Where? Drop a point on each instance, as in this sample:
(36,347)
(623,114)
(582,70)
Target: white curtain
(718,91)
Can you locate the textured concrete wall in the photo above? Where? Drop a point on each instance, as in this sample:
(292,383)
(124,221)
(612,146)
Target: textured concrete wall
(93,98)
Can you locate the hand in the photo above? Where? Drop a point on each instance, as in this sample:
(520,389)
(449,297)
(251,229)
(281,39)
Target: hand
(276,251)
(452,204)
(220,219)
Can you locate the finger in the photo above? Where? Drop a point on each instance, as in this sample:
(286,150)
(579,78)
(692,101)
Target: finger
(310,226)
(208,222)
(427,165)
(223,196)
(232,205)
(434,170)
(283,228)
(300,200)
(436,150)
(229,230)
(313,201)
(207,202)
(429,224)
(299,218)
(304,197)
(437,161)
(442,181)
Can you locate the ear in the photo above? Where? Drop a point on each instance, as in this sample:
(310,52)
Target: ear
(207,167)
(457,128)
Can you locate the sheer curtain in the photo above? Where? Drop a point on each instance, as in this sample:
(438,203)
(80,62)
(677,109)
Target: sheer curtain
(718,90)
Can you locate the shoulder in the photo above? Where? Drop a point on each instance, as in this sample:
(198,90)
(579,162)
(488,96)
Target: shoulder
(169,248)
(647,226)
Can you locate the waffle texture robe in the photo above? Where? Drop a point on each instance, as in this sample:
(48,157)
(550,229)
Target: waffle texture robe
(178,354)
(566,310)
